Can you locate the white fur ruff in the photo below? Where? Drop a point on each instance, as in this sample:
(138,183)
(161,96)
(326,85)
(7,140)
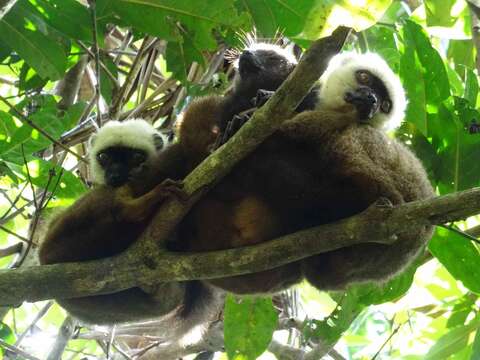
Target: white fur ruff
(134,133)
(339,78)
(286,53)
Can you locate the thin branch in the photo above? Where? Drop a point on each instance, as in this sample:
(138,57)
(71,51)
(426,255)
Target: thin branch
(10,250)
(37,318)
(92,5)
(466,235)
(121,97)
(18,236)
(17,350)
(387,340)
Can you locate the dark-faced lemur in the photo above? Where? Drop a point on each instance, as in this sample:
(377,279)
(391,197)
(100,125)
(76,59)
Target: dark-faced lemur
(126,162)
(321,166)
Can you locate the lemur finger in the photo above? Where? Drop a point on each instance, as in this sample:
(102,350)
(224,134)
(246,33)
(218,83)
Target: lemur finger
(262,97)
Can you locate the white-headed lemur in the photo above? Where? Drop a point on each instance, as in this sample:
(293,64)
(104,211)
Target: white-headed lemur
(129,165)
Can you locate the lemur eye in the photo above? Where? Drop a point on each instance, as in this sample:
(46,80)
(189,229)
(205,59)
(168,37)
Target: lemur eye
(139,157)
(363,77)
(102,158)
(386,106)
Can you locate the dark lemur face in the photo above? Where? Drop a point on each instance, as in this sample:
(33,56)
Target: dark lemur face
(370,96)
(120,164)
(264,68)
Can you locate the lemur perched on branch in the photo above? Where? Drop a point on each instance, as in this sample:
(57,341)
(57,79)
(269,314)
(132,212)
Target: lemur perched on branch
(319,167)
(126,160)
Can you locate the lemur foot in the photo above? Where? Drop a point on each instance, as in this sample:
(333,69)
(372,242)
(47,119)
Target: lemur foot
(384,203)
(262,97)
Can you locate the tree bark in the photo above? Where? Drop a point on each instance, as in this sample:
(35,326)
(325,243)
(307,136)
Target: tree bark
(376,224)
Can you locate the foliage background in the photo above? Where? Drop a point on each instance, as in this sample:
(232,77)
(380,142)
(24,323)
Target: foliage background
(155,55)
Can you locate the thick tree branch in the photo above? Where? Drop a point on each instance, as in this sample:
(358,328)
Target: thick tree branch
(376,224)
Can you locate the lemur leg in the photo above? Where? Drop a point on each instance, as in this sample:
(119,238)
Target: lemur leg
(140,208)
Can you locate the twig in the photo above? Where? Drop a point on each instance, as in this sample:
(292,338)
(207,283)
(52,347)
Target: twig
(29,122)
(93,12)
(10,250)
(18,236)
(102,65)
(121,96)
(462,233)
(17,350)
(14,203)
(37,318)
(387,340)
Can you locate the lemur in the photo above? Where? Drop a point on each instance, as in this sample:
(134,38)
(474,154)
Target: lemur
(361,164)
(261,67)
(320,166)
(126,162)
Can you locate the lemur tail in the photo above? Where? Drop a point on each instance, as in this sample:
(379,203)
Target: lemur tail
(201,306)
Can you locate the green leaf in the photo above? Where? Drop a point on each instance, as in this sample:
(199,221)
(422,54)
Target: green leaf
(63,183)
(439,12)
(414,84)
(452,342)
(471,87)
(423,73)
(462,54)
(69,17)
(19,29)
(179,55)
(270,16)
(160,17)
(331,328)
(457,149)
(375,293)
(48,117)
(248,327)
(29,79)
(459,256)
(381,39)
(476,347)
(461,310)
(326,15)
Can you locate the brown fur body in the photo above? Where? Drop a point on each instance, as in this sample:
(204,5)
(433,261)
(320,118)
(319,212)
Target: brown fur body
(104,222)
(321,166)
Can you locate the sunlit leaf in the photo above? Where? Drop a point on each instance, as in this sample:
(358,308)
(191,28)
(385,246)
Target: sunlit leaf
(452,342)
(248,326)
(327,15)
(439,12)
(42,52)
(459,256)
(270,16)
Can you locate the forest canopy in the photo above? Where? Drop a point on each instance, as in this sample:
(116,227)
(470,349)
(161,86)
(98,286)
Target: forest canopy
(67,66)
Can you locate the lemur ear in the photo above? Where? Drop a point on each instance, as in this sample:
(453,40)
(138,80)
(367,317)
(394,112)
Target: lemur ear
(91,140)
(295,50)
(158,142)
